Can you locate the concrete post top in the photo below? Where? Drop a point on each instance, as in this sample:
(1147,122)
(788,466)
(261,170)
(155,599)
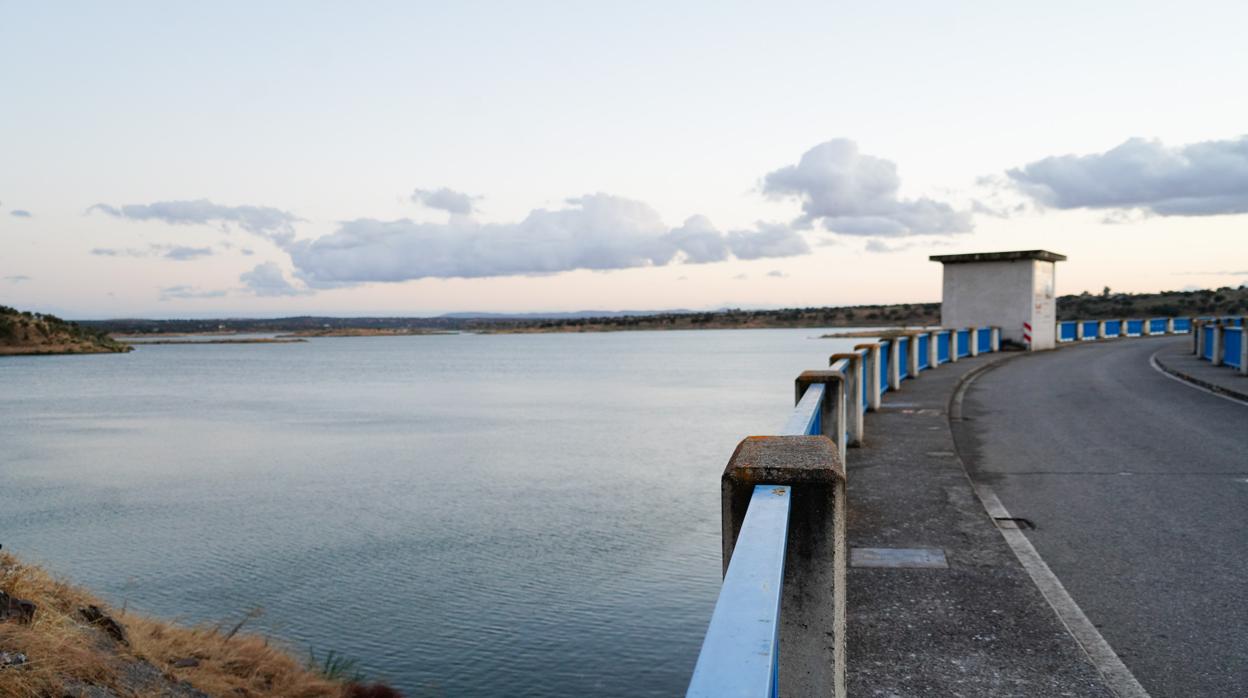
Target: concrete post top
(785,460)
(867,345)
(818,376)
(851,357)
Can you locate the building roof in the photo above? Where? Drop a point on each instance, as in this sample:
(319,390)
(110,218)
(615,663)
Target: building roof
(1042,255)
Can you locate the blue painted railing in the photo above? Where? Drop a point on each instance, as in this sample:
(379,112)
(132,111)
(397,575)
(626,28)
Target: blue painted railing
(1070,330)
(983,340)
(740,655)
(1067,331)
(942,348)
(1183,324)
(1206,342)
(964,343)
(1157,325)
(1135,328)
(1232,346)
(1113,328)
(1090,329)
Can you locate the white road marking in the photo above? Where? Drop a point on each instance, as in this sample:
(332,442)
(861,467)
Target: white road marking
(1117,676)
(1152,361)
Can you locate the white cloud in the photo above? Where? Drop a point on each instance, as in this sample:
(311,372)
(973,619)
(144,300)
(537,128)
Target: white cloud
(776,273)
(850,193)
(445,199)
(596,232)
(20,213)
(265,221)
(1199,179)
(267,279)
(17,278)
(178,253)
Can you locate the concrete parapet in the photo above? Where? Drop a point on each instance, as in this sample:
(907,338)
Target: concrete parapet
(812,608)
(872,374)
(833,422)
(894,364)
(1216,353)
(912,356)
(853,395)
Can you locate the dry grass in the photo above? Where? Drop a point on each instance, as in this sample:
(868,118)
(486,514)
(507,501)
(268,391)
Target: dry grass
(62,648)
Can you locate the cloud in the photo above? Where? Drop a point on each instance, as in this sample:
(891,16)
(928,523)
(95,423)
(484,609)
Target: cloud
(265,221)
(445,199)
(177,253)
(740,277)
(20,213)
(267,279)
(850,193)
(187,292)
(1199,179)
(777,274)
(17,278)
(181,253)
(595,232)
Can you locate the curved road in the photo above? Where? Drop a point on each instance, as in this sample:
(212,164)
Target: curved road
(1138,489)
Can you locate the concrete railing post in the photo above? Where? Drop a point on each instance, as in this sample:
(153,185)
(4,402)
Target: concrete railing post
(1198,338)
(1243,346)
(912,356)
(974,341)
(1079,330)
(812,601)
(1100,330)
(1216,354)
(994,339)
(1169,325)
(833,422)
(953,346)
(1147,328)
(871,374)
(853,395)
(894,364)
(1122,327)
(932,353)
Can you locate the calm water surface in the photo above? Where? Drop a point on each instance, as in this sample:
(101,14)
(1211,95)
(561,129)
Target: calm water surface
(466,515)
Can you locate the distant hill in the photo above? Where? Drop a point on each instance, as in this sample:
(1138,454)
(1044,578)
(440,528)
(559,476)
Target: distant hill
(1106,305)
(37,333)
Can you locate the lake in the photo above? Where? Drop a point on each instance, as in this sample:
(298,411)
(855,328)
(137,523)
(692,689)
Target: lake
(465,515)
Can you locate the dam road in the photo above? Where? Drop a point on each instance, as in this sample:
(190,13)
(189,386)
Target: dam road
(1133,488)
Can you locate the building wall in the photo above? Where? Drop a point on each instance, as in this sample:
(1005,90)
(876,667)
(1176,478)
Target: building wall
(1004,294)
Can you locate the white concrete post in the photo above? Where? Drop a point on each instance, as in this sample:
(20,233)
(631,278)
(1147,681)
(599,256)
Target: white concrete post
(1218,329)
(1100,330)
(912,356)
(1122,327)
(1243,346)
(1147,328)
(1169,325)
(994,342)
(931,348)
(1079,330)
(894,368)
(975,341)
(871,374)
(853,395)
(1198,338)
(953,346)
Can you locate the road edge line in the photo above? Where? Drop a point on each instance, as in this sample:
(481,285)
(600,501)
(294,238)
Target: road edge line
(1192,382)
(1117,677)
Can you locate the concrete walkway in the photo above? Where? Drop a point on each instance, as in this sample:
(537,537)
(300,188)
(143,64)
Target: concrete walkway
(979,627)
(1177,359)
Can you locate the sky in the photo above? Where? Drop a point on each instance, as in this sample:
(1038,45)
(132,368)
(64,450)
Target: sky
(279,158)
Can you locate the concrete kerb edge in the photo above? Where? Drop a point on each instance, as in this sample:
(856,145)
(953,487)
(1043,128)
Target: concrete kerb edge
(1189,378)
(1117,677)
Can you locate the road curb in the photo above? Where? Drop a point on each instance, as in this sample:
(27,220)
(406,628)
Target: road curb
(1189,378)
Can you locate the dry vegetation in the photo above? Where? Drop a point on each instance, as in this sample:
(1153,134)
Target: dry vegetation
(66,655)
(39,333)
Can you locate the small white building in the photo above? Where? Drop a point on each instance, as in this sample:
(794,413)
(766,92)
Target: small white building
(1010,290)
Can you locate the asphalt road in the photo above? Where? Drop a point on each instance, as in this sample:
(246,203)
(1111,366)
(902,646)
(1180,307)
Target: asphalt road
(1138,488)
